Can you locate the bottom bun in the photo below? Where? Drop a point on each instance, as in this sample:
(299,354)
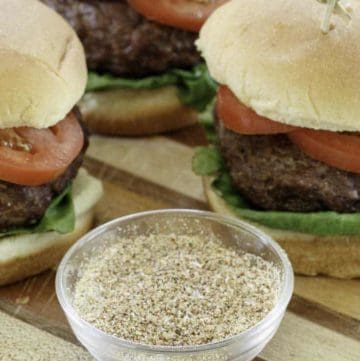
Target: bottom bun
(136,112)
(311,255)
(27,255)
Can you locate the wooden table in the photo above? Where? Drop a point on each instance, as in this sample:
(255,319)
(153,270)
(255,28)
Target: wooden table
(323,319)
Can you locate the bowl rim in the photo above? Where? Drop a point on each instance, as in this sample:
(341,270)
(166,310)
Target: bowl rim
(277,311)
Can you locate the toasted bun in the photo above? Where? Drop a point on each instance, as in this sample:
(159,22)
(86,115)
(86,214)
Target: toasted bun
(274,57)
(27,255)
(335,256)
(136,112)
(42,65)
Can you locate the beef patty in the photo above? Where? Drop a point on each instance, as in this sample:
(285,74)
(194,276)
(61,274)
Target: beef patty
(119,40)
(22,206)
(273,174)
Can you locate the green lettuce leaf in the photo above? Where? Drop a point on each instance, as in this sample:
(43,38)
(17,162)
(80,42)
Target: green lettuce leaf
(208,162)
(195,87)
(206,119)
(59,217)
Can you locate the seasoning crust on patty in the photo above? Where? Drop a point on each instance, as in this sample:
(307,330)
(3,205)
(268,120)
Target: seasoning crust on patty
(120,41)
(273,174)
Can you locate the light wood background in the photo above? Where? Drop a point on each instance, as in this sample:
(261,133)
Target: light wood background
(323,319)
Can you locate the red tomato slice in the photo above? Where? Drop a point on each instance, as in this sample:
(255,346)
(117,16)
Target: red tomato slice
(184,14)
(241,119)
(32,157)
(338,150)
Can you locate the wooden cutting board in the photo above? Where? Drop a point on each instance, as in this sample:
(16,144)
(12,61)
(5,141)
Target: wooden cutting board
(323,319)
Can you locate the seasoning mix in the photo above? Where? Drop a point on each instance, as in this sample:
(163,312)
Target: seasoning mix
(175,290)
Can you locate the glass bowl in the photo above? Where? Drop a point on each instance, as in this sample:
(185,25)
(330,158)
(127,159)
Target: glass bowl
(242,347)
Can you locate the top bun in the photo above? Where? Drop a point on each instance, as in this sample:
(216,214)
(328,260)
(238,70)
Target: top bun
(42,65)
(274,57)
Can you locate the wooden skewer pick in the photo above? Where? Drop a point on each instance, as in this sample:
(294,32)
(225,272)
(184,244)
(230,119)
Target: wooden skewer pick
(333,7)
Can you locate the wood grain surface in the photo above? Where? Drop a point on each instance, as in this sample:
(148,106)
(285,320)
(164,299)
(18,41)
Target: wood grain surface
(323,319)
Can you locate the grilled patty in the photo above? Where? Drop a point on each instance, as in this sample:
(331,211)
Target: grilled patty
(273,174)
(120,41)
(22,206)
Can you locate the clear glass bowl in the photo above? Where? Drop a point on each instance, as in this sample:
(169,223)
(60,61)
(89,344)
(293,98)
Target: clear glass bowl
(242,347)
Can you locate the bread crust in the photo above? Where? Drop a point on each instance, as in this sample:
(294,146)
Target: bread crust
(42,65)
(275,58)
(136,112)
(29,254)
(48,256)
(311,255)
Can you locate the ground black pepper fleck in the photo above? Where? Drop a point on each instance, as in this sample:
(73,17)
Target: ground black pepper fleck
(177,290)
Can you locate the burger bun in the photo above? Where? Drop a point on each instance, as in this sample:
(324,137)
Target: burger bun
(29,254)
(311,255)
(43,70)
(277,61)
(136,112)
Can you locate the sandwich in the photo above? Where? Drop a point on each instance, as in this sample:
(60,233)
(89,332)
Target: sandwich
(286,149)
(146,75)
(46,201)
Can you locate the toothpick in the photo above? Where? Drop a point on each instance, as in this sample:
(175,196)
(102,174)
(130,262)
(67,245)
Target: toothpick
(325,26)
(333,7)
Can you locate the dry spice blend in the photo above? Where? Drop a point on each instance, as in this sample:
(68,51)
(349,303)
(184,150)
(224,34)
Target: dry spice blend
(175,290)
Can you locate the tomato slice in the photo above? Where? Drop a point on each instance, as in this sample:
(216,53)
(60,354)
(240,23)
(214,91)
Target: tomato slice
(241,119)
(184,14)
(32,157)
(338,150)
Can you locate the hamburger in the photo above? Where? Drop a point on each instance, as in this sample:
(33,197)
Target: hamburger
(286,155)
(146,75)
(46,201)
